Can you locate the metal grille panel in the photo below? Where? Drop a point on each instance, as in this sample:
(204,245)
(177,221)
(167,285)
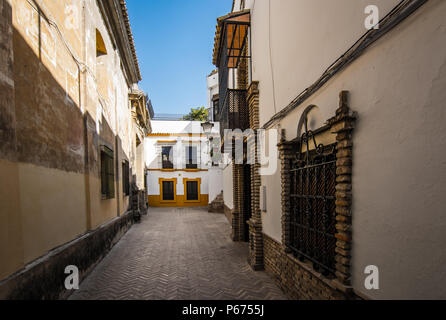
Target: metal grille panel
(235,111)
(312,203)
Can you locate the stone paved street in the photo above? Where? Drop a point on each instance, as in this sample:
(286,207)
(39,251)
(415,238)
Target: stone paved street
(178,253)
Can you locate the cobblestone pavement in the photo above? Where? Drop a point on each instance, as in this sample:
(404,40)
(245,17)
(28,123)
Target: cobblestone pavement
(178,253)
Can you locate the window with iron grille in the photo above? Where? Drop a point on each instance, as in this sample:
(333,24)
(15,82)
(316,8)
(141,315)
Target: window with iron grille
(125,178)
(107,173)
(191,157)
(167,157)
(312,208)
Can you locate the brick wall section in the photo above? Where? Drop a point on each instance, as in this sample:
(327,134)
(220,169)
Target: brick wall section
(255,223)
(242,71)
(295,279)
(343,125)
(238,225)
(239,215)
(286,152)
(298,279)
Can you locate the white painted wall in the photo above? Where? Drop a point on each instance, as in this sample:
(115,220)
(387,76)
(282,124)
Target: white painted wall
(154,187)
(215,182)
(299,33)
(212,89)
(177,131)
(193,127)
(228,187)
(397,88)
(271,219)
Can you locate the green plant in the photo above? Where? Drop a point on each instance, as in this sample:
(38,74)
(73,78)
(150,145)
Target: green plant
(197,114)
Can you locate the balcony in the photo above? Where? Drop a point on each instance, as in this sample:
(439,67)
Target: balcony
(234,111)
(231,56)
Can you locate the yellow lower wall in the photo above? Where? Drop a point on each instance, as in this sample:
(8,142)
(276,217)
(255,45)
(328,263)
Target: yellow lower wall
(42,208)
(155,201)
(101,210)
(11,241)
(52,208)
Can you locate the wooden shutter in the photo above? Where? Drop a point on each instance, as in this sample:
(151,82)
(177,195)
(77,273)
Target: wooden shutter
(168,191)
(192,190)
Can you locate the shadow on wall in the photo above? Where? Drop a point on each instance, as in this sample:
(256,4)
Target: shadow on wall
(51,129)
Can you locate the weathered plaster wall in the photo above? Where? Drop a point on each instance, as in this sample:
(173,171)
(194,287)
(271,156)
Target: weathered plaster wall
(397,88)
(49,122)
(107,104)
(7,92)
(54,116)
(11,252)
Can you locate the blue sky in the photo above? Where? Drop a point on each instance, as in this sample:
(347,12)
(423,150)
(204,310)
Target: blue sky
(174,41)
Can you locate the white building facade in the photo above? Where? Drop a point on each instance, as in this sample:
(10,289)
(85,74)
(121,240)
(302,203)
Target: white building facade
(212,94)
(179,170)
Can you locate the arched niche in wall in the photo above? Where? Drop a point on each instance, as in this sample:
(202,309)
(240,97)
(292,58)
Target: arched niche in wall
(102,76)
(314,120)
(315,124)
(101,50)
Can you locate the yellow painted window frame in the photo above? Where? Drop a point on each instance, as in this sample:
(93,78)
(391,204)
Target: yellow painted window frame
(185,181)
(101,49)
(174,180)
(177,170)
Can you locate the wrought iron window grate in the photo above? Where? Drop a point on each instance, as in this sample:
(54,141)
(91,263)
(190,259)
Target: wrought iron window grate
(313,216)
(235,111)
(107,173)
(126,178)
(167,157)
(312,224)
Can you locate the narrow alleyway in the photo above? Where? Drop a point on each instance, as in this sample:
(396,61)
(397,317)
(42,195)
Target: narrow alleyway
(178,253)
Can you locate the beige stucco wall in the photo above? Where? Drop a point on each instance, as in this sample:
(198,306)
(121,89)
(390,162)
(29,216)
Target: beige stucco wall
(140,166)
(11,248)
(397,88)
(52,204)
(48,194)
